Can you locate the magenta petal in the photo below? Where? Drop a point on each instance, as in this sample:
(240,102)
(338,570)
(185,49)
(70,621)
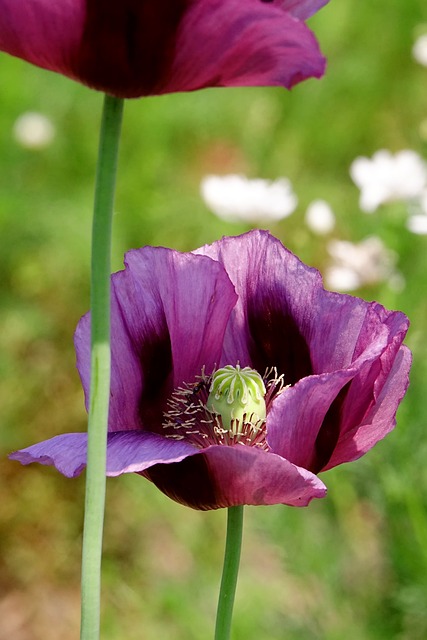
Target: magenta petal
(228,476)
(44,32)
(127,452)
(237,43)
(248,476)
(137,47)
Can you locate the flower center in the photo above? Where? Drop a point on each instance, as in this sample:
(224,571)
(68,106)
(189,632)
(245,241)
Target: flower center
(228,407)
(237,395)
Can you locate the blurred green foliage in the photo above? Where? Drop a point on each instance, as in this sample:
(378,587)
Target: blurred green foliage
(353,565)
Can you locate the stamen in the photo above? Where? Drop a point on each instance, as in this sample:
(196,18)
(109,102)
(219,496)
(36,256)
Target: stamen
(228,407)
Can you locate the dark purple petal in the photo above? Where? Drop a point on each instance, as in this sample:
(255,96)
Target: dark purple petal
(375,352)
(127,46)
(308,422)
(169,314)
(274,318)
(285,318)
(298,414)
(381,417)
(139,47)
(127,452)
(379,342)
(228,476)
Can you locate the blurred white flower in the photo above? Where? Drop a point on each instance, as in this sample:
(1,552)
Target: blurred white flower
(417,221)
(365,263)
(386,177)
(319,217)
(417,224)
(237,198)
(339,278)
(33,130)
(419,50)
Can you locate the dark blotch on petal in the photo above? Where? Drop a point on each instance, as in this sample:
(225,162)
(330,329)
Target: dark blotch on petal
(126,40)
(188,482)
(278,342)
(329,432)
(156,363)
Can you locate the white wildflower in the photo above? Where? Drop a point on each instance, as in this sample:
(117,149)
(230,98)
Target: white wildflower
(386,177)
(419,50)
(237,198)
(355,265)
(417,224)
(339,278)
(33,130)
(417,220)
(319,217)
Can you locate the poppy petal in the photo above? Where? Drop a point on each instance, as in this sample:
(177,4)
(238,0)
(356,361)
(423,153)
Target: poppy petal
(298,413)
(228,476)
(43,32)
(136,48)
(272,322)
(380,419)
(169,314)
(241,44)
(127,452)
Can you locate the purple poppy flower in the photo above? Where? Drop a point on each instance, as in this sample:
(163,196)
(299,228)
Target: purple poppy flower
(136,47)
(326,373)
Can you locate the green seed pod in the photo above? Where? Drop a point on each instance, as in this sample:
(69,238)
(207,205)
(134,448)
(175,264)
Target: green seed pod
(237,395)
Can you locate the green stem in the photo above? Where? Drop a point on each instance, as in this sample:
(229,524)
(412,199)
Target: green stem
(100,367)
(230,571)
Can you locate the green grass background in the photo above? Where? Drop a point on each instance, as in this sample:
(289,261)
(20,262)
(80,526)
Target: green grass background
(353,565)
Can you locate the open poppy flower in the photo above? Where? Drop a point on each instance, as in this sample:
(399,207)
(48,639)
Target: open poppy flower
(236,377)
(136,47)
